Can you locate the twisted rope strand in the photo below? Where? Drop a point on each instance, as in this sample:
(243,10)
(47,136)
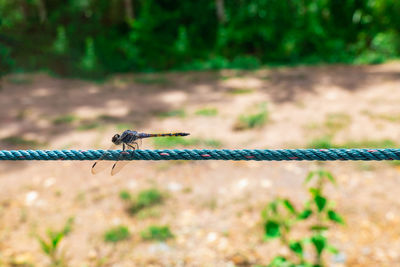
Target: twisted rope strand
(206,154)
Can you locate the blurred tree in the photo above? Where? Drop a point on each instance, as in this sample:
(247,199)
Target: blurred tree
(147,35)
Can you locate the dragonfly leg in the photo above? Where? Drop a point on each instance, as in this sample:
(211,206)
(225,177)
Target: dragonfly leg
(134,143)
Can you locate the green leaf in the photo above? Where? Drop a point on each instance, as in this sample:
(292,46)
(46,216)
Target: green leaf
(319,243)
(335,217)
(56,239)
(320,201)
(273,206)
(278,261)
(314,191)
(272,229)
(319,227)
(304,214)
(289,206)
(309,177)
(45,247)
(330,177)
(296,247)
(332,249)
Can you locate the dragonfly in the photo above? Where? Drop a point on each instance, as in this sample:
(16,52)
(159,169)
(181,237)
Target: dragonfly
(129,140)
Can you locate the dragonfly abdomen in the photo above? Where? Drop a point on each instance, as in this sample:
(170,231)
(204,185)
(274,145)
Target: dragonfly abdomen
(145,135)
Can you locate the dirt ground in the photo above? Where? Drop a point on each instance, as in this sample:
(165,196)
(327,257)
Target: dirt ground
(213,208)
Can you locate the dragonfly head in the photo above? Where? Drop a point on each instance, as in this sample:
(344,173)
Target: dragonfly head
(116,139)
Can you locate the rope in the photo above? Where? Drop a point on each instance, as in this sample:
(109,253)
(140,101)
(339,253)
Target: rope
(205,154)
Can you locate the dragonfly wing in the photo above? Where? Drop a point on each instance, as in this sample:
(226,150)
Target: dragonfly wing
(101,164)
(117,167)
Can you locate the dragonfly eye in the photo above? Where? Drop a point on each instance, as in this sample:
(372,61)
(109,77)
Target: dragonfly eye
(115,139)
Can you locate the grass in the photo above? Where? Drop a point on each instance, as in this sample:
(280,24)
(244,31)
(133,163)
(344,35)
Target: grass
(254,120)
(337,121)
(157,233)
(240,91)
(174,141)
(88,126)
(152,80)
(321,143)
(391,117)
(326,143)
(180,113)
(208,112)
(117,234)
(212,143)
(21,141)
(145,199)
(152,212)
(65,119)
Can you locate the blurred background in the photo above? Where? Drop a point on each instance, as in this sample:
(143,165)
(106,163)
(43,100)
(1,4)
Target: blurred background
(233,73)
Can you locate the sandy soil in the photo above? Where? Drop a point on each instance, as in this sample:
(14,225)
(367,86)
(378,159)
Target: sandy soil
(212,208)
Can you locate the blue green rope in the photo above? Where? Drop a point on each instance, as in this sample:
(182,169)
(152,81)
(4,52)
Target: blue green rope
(205,154)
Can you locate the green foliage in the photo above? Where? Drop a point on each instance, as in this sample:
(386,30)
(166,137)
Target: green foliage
(89,59)
(60,45)
(280,217)
(245,62)
(92,38)
(143,200)
(50,244)
(254,120)
(157,233)
(117,234)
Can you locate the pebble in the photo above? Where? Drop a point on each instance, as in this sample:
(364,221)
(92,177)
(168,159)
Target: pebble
(30,198)
(242,184)
(174,187)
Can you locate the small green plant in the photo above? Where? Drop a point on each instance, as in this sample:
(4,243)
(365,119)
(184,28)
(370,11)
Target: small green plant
(125,195)
(209,112)
(50,245)
(240,91)
(143,200)
(65,119)
(117,234)
(158,233)
(318,213)
(254,120)
(172,113)
(89,125)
